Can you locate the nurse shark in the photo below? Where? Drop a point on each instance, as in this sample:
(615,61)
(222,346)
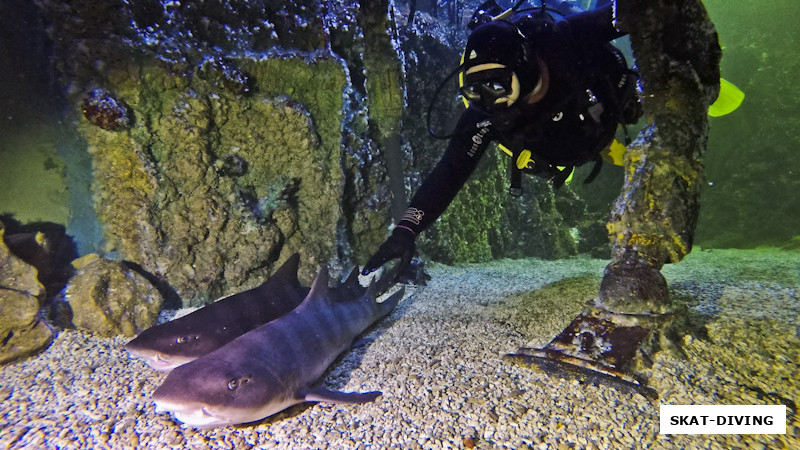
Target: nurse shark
(179,341)
(274,366)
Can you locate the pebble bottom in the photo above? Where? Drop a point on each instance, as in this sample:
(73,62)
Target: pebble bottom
(437,360)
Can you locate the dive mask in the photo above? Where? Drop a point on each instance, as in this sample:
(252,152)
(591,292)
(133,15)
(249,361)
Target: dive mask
(491,86)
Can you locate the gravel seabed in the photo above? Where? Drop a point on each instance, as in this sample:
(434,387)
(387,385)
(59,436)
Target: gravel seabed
(437,360)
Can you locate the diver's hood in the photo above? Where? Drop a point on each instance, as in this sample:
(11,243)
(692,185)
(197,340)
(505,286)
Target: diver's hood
(496,69)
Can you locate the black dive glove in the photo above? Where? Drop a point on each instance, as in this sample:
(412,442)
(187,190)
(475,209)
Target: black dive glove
(401,244)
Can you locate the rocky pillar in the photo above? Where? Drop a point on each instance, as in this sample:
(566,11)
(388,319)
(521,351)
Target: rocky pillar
(653,221)
(385,92)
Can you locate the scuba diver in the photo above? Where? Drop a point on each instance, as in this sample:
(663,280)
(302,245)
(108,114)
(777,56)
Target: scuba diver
(551,92)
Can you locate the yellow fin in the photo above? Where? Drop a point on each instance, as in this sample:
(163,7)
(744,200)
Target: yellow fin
(730,97)
(569,178)
(614,153)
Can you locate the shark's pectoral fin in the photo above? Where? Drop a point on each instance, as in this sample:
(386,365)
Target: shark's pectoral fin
(323,395)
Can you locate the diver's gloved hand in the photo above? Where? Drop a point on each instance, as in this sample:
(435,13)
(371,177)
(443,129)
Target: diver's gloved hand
(401,244)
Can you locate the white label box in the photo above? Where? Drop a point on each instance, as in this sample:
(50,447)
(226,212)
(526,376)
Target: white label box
(723,419)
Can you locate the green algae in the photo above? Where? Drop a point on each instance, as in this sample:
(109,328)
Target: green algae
(165,203)
(462,234)
(484,222)
(384,81)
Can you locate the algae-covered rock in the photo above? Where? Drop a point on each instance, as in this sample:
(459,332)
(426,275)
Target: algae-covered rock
(468,229)
(485,222)
(21,296)
(47,247)
(109,298)
(246,131)
(209,188)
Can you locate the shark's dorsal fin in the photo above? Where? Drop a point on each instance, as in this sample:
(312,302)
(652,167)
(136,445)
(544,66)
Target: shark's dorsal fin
(372,290)
(288,270)
(349,289)
(319,288)
(352,280)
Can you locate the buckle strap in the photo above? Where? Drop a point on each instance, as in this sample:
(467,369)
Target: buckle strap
(517,155)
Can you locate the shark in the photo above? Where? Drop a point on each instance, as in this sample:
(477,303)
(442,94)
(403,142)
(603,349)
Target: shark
(185,339)
(276,365)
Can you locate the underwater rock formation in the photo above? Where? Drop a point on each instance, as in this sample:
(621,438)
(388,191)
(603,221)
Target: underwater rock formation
(45,246)
(110,299)
(22,332)
(653,221)
(209,186)
(249,131)
(484,222)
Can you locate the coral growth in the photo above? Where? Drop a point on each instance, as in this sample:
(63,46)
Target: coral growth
(103,109)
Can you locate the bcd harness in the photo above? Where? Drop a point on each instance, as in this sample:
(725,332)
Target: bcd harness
(583,107)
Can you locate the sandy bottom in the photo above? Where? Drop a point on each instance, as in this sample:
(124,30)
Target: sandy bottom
(438,361)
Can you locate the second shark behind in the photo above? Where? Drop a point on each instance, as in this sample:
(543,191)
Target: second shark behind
(179,341)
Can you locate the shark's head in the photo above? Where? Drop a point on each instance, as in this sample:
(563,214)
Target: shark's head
(211,392)
(171,344)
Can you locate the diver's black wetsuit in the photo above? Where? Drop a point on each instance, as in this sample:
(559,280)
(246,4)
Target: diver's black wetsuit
(569,126)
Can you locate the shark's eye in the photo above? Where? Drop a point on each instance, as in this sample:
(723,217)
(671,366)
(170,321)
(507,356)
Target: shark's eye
(234,383)
(182,340)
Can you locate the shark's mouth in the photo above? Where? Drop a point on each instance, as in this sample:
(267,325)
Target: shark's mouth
(158,362)
(201,415)
(200,418)
(197,415)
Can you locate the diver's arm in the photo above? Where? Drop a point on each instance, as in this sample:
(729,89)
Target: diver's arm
(445,180)
(437,191)
(595,26)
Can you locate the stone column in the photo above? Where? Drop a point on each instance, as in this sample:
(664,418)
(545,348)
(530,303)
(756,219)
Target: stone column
(385,92)
(653,221)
